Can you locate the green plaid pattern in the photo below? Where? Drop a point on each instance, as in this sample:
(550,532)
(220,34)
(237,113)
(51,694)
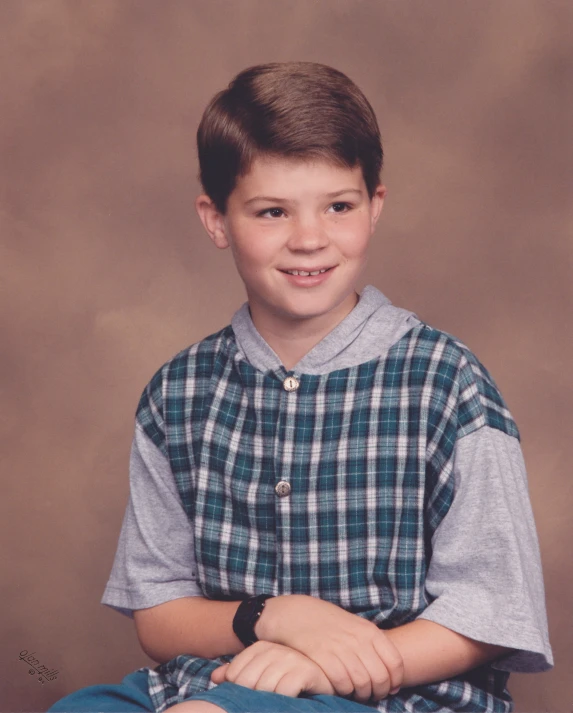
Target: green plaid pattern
(368,452)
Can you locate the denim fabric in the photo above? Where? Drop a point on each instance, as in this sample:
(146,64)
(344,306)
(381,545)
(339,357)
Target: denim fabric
(129,696)
(238,699)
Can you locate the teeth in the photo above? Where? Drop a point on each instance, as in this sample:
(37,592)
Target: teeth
(304,273)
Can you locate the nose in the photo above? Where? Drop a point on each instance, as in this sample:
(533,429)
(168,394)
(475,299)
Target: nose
(308,235)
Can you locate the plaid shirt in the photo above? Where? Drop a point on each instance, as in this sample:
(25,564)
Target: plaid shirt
(368,454)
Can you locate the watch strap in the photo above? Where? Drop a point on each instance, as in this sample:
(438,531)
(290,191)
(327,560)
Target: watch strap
(246,616)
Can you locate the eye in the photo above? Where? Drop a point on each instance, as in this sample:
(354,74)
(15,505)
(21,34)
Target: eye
(343,206)
(272,211)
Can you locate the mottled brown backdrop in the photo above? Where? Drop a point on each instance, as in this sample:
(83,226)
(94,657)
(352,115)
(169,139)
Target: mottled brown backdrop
(106,272)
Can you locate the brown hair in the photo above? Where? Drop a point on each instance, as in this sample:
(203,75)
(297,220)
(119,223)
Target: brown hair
(290,109)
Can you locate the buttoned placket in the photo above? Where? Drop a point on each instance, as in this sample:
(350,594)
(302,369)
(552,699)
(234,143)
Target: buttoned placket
(284,455)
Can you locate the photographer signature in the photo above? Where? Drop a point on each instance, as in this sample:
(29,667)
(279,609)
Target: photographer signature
(35,668)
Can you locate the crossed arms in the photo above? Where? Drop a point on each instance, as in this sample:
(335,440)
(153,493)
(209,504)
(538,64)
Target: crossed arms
(310,645)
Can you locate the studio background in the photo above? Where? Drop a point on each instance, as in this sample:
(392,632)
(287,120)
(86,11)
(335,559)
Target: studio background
(106,272)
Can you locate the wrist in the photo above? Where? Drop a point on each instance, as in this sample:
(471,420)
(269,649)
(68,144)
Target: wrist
(267,628)
(276,619)
(247,616)
(263,625)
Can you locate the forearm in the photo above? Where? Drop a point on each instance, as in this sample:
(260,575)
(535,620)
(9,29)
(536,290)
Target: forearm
(189,625)
(420,652)
(203,627)
(432,652)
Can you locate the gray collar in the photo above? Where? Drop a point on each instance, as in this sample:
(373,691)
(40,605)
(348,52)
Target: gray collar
(368,332)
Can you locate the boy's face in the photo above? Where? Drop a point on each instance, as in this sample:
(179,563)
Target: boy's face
(287,215)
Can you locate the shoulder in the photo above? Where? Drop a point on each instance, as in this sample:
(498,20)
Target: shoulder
(425,339)
(173,376)
(452,366)
(193,357)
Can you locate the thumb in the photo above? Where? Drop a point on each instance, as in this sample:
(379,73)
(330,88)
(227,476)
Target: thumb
(218,675)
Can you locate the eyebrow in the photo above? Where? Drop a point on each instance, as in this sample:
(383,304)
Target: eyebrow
(274,199)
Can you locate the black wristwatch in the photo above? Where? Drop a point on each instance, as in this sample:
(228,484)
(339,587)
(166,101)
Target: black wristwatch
(247,616)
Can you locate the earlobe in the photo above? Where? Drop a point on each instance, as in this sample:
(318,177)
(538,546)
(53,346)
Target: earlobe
(220,240)
(219,236)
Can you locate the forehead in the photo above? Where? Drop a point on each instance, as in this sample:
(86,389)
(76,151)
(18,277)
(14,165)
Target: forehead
(288,177)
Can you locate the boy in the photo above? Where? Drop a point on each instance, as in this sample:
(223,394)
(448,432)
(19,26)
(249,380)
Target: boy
(328,505)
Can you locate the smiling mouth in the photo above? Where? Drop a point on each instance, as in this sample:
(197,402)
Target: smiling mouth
(305,273)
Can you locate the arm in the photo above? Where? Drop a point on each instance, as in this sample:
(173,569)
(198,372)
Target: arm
(346,646)
(432,652)
(189,625)
(202,627)
(429,652)
(155,562)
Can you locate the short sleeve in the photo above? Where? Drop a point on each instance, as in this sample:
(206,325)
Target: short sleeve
(484,577)
(154,561)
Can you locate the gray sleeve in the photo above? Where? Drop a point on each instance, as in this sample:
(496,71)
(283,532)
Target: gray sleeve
(485,570)
(154,561)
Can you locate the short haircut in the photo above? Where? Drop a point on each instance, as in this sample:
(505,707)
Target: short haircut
(299,110)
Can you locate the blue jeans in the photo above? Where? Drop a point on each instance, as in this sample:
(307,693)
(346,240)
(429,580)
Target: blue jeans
(131,696)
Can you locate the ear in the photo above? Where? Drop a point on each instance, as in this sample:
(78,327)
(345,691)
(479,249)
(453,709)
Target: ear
(212,220)
(376,205)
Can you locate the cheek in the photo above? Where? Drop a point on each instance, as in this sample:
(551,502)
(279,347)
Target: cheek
(251,256)
(354,242)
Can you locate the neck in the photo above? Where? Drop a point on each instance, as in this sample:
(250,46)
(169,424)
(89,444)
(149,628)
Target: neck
(291,340)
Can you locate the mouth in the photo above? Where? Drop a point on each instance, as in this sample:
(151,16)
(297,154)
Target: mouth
(306,273)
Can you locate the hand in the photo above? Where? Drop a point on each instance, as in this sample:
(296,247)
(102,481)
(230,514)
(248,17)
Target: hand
(265,666)
(354,653)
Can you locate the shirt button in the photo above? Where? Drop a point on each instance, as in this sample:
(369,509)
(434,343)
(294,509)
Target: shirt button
(282,488)
(291,383)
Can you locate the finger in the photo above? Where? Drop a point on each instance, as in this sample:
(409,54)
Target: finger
(312,681)
(250,674)
(218,675)
(240,661)
(336,672)
(290,684)
(392,660)
(359,676)
(377,671)
(272,675)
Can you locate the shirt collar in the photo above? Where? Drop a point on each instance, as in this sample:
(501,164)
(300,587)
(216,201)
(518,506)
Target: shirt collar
(368,331)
